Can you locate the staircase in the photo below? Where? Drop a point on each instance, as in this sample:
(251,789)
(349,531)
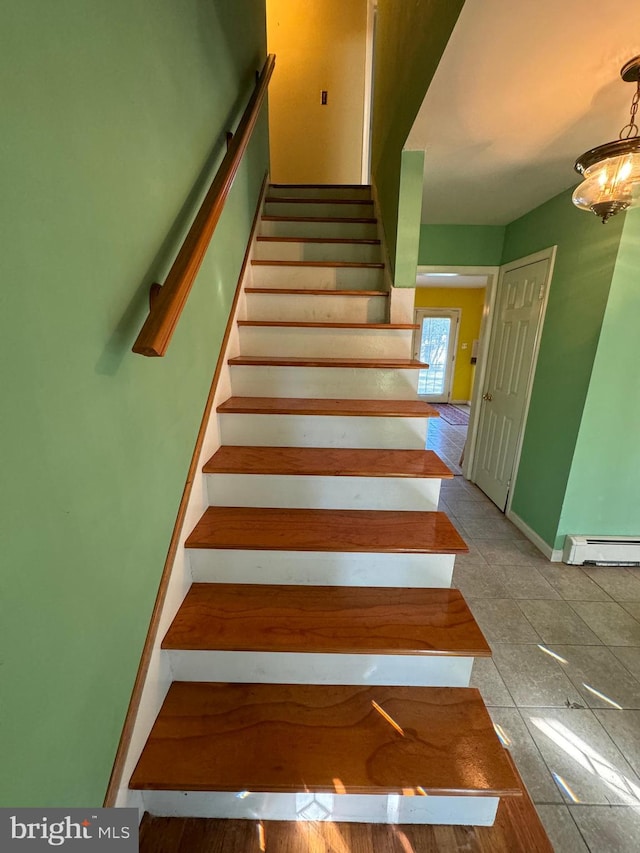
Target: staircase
(320,659)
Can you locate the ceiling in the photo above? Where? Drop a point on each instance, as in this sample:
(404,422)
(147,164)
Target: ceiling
(521,90)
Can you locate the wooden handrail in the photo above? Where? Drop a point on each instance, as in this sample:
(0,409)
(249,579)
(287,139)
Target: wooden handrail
(169,300)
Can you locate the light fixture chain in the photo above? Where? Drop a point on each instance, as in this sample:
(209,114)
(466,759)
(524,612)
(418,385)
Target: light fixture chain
(630,131)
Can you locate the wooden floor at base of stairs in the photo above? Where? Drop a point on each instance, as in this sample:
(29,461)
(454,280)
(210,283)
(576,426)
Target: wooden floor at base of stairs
(326,620)
(327,462)
(340,530)
(289,738)
(517,829)
(328,407)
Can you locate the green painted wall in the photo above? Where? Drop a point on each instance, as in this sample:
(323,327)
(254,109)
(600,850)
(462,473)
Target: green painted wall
(603,492)
(409,212)
(466,245)
(410,39)
(112,113)
(582,276)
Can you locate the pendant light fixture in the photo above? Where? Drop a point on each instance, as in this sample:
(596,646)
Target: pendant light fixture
(611,171)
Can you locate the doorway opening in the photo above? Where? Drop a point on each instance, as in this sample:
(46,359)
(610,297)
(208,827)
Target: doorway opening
(451,311)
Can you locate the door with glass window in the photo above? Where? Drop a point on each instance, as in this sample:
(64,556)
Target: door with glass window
(435,344)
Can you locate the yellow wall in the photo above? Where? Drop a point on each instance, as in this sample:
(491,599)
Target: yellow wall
(319,44)
(470,300)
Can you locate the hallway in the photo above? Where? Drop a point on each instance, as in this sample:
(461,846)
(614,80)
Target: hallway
(563,686)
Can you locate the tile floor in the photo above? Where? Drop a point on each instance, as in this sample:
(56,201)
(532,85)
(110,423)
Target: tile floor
(563,686)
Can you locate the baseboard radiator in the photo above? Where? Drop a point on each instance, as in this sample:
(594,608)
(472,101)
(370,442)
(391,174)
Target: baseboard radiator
(602,550)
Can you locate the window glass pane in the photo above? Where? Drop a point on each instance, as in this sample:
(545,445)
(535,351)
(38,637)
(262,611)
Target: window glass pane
(434,345)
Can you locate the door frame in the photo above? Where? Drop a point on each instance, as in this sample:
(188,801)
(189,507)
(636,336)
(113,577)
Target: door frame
(367,112)
(481,374)
(452,347)
(492,273)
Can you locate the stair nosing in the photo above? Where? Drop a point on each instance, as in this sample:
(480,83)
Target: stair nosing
(325,620)
(363,220)
(322,186)
(360,534)
(362,241)
(194,743)
(321,407)
(318,325)
(303,291)
(338,363)
(315,200)
(346,469)
(349,265)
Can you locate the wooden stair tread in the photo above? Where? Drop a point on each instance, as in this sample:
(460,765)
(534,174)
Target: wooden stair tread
(320,186)
(280,199)
(327,462)
(352,530)
(357,265)
(317,406)
(367,220)
(306,291)
(316,325)
(297,361)
(363,241)
(326,620)
(307,737)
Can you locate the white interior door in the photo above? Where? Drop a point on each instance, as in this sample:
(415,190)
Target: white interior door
(435,344)
(518,314)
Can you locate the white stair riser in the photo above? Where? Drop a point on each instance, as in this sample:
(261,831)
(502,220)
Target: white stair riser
(311,308)
(285,250)
(317,278)
(358,808)
(294,228)
(313,342)
(327,191)
(352,383)
(321,568)
(345,209)
(314,431)
(308,492)
(299,668)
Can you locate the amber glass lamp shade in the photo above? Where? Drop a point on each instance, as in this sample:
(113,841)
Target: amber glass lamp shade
(609,183)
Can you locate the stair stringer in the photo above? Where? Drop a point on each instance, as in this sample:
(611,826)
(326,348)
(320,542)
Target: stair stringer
(159,674)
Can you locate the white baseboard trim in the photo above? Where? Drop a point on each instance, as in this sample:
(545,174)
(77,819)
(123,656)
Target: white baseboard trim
(554,555)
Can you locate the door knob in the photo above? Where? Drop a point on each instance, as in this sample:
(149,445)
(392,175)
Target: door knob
(487,397)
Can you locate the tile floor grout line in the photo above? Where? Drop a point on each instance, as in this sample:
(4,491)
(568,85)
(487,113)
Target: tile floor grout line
(539,751)
(593,630)
(580,833)
(621,662)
